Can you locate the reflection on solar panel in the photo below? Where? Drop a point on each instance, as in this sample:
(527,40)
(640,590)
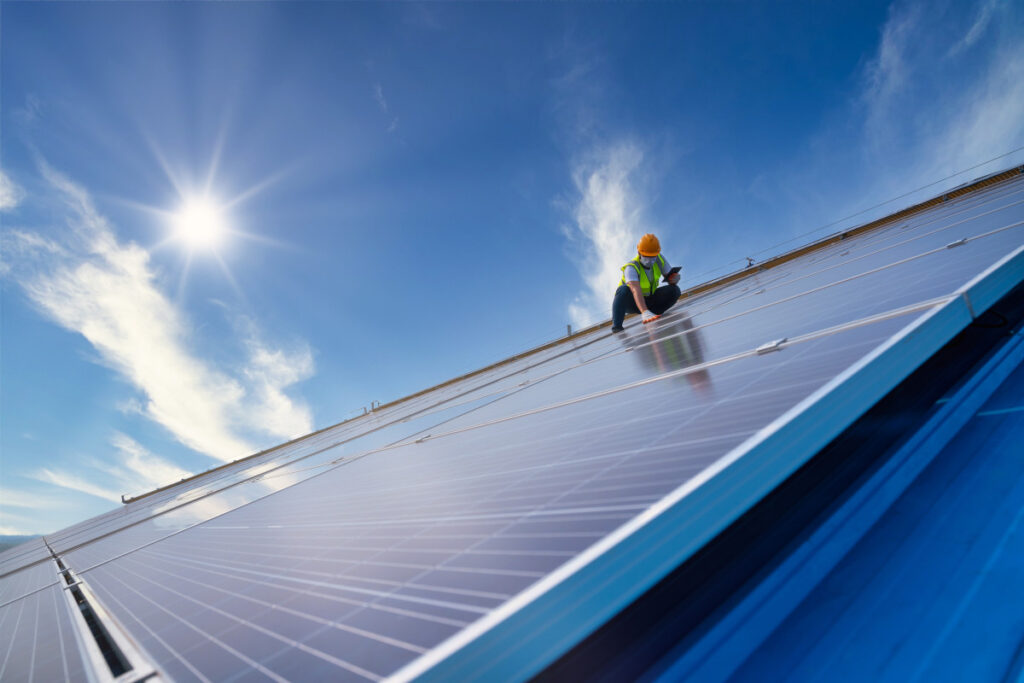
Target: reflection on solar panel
(483,528)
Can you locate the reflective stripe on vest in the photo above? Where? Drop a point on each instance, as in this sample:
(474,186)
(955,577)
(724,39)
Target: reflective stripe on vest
(647,287)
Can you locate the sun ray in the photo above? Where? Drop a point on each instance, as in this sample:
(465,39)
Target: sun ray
(230,278)
(215,157)
(183,280)
(269,181)
(172,177)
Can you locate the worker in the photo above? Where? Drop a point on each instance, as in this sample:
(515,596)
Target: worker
(638,290)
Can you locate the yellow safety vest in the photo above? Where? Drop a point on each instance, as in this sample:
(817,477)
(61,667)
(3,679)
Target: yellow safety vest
(646,286)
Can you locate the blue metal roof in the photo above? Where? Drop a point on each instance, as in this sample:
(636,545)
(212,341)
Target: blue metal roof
(934,591)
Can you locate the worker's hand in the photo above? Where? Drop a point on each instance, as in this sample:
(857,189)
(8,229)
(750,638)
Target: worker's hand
(649,317)
(673,278)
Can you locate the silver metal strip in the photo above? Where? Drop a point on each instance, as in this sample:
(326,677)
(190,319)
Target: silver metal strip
(139,667)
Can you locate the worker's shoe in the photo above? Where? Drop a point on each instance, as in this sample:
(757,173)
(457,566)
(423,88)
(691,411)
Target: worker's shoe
(617,329)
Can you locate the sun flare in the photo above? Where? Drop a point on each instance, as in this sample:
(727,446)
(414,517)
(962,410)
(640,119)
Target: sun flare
(200,223)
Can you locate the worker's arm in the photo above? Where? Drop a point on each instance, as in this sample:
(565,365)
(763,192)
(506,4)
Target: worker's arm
(638,295)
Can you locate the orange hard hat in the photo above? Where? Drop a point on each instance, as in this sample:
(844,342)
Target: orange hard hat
(648,245)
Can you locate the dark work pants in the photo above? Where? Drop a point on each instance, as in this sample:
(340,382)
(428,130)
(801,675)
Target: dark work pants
(664,298)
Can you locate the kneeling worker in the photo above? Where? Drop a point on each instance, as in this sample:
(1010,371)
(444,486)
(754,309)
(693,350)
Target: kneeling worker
(638,290)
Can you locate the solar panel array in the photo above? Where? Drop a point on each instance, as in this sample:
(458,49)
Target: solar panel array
(356,551)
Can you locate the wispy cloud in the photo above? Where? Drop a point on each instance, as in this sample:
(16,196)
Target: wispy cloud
(982,18)
(10,194)
(889,72)
(971,112)
(22,499)
(75,482)
(107,291)
(607,222)
(378,95)
(129,469)
(921,113)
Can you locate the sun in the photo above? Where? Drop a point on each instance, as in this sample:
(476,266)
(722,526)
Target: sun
(200,223)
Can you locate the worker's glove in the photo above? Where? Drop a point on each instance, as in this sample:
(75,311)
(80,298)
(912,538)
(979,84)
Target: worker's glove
(673,278)
(649,317)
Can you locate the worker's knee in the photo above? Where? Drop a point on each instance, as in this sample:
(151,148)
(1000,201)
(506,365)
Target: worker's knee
(663,299)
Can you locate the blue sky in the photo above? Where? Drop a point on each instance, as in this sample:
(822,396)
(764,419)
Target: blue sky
(414,191)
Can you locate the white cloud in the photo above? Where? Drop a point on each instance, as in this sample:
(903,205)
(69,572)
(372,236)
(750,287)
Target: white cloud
(378,95)
(988,118)
(920,117)
(970,112)
(140,470)
(129,469)
(607,225)
(269,371)
(981,22)
(107,291)
(34,501)
(10,194)
(74,482)
(889,72)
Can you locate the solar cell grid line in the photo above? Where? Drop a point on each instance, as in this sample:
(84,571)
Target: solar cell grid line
(354,592)
(956,211)
(774,304)
(607,375)
(264,606)
(929,214)
(247,641)
(73,528)
(851,263)
(927,281)
(218,595)
(156,647)
(241,500)
(219,669)
(36,640)
(22,555)
(848,266)
(933,216)
(983,196)
(143,513)
(597,474)
(916,341)
(26,581)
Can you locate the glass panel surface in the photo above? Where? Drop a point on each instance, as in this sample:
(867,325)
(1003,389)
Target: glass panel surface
(368,564)
(36,640)
(27,580)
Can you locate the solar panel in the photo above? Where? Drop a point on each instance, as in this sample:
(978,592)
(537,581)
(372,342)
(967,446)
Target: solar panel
(482,528)
(37,641)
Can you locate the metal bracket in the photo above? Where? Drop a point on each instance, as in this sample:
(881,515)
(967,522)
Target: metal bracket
(958,243)
(771,346)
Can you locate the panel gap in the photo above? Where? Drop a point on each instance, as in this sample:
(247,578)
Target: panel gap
(114,657)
